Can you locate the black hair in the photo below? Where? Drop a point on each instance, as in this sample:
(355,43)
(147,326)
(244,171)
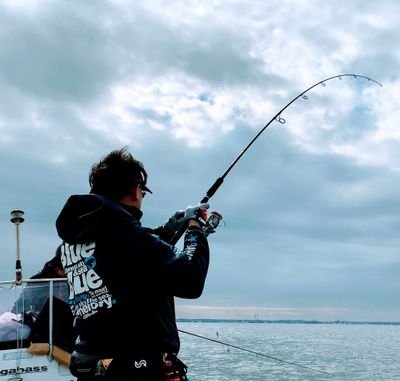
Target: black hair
(49,269)
(116,173)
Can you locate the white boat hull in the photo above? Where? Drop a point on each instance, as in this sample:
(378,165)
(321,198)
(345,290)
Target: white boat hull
(20,364)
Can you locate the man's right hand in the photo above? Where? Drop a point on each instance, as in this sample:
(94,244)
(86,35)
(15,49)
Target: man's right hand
(197,213)
(191,216)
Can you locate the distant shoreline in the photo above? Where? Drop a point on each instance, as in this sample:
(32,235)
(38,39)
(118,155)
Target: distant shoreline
(283,321)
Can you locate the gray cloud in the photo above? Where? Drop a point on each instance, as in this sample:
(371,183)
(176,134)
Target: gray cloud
(311,210)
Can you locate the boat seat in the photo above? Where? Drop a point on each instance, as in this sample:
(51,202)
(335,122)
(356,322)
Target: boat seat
(63,333)
(60,355)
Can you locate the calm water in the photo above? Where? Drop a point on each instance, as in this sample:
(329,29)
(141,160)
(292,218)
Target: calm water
(348,352)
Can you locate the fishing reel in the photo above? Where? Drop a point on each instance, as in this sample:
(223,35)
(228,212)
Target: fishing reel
(212,223)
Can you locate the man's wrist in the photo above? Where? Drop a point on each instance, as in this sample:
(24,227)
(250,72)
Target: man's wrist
(193,222)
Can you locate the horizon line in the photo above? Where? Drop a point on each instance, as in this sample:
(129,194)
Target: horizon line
(289,321)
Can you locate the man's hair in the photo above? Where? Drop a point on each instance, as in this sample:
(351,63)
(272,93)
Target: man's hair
(49,269)
(115,174)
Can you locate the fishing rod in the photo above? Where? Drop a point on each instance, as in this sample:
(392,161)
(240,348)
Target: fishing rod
(257,353)
(278,118)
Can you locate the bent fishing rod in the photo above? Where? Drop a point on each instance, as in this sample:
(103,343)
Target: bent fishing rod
(277,117)
(257,353)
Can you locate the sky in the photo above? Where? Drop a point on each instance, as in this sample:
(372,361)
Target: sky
(311,210)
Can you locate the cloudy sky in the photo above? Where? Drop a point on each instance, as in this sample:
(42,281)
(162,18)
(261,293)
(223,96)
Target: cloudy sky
(311,211)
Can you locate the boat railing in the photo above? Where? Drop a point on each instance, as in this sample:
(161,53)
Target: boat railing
(22,304)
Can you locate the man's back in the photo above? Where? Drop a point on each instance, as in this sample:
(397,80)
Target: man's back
(123,277)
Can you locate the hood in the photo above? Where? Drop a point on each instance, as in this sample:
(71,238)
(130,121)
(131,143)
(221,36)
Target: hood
(83,215)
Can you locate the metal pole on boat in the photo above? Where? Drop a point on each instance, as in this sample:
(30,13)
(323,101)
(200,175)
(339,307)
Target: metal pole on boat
(17,218)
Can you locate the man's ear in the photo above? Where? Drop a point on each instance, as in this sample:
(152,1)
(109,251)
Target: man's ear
(131,196)
(134,192)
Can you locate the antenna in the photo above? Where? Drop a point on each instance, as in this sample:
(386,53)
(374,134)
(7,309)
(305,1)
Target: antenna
(17,218)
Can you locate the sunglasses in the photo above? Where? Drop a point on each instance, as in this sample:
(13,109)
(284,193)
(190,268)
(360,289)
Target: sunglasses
(144,189)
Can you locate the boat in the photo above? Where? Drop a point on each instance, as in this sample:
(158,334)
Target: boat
(36,330)
(36,325)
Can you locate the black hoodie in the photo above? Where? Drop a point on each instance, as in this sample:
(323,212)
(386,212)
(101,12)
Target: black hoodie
(123,278)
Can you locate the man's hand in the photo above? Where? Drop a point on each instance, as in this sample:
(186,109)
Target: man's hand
(196,213)
(175,221)
(191,215)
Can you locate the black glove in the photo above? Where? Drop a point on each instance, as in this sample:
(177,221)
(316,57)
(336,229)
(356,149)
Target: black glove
(175,221)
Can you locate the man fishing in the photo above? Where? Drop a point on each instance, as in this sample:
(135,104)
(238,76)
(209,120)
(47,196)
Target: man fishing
(123,277)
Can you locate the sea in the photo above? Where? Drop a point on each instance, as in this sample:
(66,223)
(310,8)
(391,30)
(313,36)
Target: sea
(251,351)
(258,350)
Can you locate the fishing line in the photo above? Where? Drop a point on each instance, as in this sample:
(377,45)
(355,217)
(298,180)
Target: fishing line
(276,118)
(258,353)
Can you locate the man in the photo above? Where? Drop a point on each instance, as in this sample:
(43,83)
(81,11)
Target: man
(123,277)
(35,294)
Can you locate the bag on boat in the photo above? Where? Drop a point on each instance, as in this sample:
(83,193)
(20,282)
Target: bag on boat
(86,366)
(141,365)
